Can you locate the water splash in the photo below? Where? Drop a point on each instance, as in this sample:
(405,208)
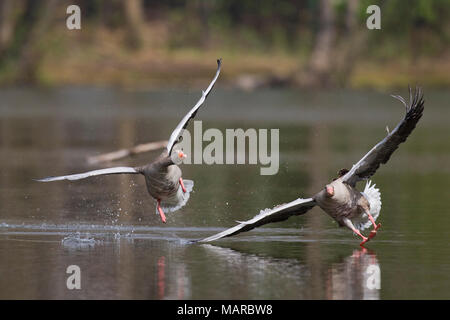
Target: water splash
(78,240)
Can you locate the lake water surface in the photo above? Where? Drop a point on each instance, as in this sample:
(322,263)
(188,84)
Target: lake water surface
(108,227)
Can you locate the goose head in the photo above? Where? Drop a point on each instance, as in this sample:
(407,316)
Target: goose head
(177,156)
(329,191)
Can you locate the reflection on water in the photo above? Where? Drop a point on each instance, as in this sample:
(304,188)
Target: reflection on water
(179,283)
(108,226)
(357,277)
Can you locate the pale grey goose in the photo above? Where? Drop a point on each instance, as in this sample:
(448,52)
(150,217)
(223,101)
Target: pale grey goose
(162,176)
(340,199)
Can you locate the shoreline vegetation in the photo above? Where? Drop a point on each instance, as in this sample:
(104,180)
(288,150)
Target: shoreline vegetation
(139,44)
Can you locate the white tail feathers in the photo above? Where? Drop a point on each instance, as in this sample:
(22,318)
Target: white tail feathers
(178,200)
(372,195)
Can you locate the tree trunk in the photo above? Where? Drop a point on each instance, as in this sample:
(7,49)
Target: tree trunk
(6,23)
(350,46)
(36,20)
(319,67)
(135,23)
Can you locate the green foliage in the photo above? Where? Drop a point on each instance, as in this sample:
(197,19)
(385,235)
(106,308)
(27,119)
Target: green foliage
(415,27)
(409,29)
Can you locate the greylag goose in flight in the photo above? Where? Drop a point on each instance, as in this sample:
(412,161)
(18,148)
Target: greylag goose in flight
(163,175)
(340,199)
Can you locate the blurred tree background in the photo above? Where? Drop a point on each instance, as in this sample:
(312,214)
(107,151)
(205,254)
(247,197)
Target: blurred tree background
(141,43)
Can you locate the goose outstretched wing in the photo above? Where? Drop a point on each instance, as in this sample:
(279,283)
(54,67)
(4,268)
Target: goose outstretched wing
(277,214)
(381,152)
(176,134)
(78,176)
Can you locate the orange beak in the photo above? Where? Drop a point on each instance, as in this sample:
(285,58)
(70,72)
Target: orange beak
(181,155)
(330,191)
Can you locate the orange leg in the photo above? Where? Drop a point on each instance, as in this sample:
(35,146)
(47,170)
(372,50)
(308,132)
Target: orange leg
(161,212)
(365,239)
(373,233)
(350,225)
(182,185)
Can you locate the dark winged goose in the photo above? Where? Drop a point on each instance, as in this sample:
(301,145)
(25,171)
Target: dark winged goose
(163,175)
(340,199)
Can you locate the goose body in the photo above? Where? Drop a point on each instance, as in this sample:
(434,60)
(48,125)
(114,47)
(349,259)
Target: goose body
(347,202)
(163,182)
(162,178)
